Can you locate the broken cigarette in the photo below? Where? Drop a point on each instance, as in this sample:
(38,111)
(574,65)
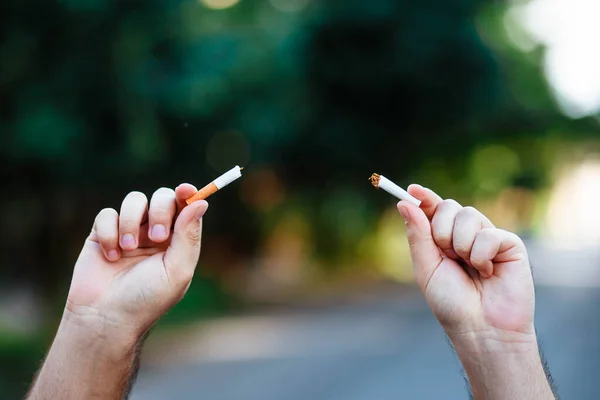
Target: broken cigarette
(381,182)
(216,185)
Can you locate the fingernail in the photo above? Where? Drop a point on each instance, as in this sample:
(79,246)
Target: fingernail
(113,255)
(405,214)
(128,240)
(159,231)
(201,210)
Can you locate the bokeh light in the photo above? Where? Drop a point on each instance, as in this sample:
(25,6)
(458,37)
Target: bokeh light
(569,31)
(262,189)
(219,4)
(573,218)
(493,167)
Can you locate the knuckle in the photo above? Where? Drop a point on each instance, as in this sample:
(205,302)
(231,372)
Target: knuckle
(461,247)
(488,233)
(164,191)
(468,212)
(136,196)
(105,225)
(162,205)
(412,240)
(106,212)
(128,225)
(108,241)
(107,233)
(450,203)
(516,239)
(159,214)
(478,260)
(193,237)
(441,235)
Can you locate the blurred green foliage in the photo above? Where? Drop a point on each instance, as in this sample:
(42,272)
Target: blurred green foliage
(98,98)
(20,359)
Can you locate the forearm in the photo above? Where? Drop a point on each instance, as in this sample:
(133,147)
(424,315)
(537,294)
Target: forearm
(87,361)
(501,369)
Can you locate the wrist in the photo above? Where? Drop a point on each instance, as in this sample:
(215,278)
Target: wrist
(89,358)
(100,335)
(494,342)
(492,350)
(105,320)
(502,365)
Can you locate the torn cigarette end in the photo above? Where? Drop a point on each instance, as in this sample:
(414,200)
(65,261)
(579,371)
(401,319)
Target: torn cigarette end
(381,182)
(375,180)
(216,185)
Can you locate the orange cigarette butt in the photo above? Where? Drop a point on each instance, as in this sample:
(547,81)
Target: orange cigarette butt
(203,193)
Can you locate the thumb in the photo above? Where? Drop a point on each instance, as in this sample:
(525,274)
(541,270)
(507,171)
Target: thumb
(183,253)
(424,252)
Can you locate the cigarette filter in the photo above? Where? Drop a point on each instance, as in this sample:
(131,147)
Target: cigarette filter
(216,185)
(381,182)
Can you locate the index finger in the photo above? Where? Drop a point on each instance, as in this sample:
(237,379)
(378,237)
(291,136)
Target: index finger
(183,192)
(429,199)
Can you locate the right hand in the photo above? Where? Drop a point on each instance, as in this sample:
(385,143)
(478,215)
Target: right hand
(476,278)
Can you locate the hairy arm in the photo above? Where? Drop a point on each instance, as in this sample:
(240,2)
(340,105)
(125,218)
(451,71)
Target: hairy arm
(477,280)
(496,369)
(88,360)
(535,359)
(131,270)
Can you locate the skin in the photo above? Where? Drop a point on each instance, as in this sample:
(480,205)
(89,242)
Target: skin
(134,266)
(478,283)
(137,263)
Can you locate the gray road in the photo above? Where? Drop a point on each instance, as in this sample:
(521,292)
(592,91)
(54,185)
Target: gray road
(382,345)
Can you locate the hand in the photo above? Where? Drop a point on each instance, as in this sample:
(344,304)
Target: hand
(131,270)
(133,267)
(478,282)
(476,278)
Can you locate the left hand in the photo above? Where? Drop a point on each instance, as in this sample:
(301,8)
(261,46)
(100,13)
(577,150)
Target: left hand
(137,263)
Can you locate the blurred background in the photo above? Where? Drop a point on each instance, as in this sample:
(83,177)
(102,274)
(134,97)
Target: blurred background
(304,289)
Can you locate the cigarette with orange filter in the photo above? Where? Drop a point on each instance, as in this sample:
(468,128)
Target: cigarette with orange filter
(216,185)
(381,182)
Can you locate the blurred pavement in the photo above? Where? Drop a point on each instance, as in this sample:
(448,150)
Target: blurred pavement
(382,343)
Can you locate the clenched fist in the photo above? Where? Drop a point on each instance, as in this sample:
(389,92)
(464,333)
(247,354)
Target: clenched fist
(475,277)
(477,280)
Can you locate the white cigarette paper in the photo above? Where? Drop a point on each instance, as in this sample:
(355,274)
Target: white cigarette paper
(381,182)
(216,185)
(228,177)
